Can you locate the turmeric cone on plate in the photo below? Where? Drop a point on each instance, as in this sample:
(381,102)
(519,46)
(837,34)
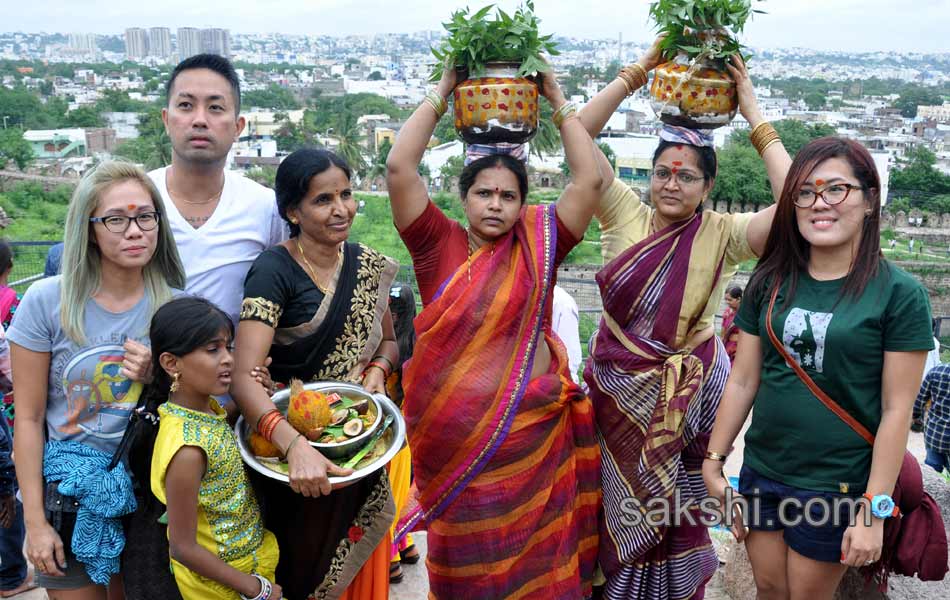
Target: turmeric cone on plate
(308,411)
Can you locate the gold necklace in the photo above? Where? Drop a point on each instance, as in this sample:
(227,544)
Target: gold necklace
(200,202)
(192,202)
(310,268)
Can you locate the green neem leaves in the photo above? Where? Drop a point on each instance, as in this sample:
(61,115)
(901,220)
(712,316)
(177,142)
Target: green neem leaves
(702,28)
(474,40)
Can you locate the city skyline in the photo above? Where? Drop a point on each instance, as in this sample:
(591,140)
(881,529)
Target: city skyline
(856,25)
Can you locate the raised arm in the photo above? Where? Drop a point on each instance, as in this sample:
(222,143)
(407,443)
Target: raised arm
(776,158)
(576,205)
(597,112)
(407,191)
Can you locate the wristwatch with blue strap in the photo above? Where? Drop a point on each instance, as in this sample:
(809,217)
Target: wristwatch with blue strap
(882,506)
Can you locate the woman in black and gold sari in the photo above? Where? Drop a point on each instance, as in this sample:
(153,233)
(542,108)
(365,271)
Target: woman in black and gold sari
(318,305)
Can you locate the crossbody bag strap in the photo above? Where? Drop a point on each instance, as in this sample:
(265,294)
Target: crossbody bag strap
(817,391)
(125,443)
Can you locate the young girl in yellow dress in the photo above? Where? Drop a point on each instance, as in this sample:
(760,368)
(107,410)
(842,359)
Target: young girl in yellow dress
(218,545)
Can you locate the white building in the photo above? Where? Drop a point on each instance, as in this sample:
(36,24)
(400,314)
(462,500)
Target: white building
(189,42)
(936,113)
(136,42)
(160,42)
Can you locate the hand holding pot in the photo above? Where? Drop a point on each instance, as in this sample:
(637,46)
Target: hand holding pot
(550,88)
(652,57)
(748,105)
(449,80)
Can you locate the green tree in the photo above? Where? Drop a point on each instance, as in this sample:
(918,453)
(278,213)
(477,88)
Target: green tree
(22,108)
(84,116)
(293,136)
(445,129)
(794,134)
(376,76)
(916,96)
(452,167)
(274,96)
(548,138)
(919,179)
(152,148)
(742,178)
(15,149)
(327,111)
(350,142)
(265,176)
(379,164)
(119,101)
(815,100)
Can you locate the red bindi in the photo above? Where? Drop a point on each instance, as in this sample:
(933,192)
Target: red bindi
(131,207)
(677,163)
(679,146)
(819,182)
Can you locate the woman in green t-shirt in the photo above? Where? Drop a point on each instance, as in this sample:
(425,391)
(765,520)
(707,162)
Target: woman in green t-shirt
(859,327)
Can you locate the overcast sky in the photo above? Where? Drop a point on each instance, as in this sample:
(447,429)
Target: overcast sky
(860,25)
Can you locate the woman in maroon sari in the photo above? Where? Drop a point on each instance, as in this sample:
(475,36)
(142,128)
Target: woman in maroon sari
(657,369)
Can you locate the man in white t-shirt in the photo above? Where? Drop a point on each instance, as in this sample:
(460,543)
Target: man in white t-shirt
(565,321)
(221,220)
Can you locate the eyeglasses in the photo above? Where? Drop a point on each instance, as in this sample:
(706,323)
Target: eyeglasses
(682,178)
(833,194)
(120,223)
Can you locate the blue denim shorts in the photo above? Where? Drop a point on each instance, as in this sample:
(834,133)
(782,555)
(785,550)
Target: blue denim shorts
(806,518)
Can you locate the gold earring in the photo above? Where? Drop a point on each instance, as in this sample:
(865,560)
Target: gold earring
(174,385)
(293,221)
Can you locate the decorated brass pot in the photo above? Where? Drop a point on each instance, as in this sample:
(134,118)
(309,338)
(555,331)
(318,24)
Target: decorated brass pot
(497,108)
(701,96)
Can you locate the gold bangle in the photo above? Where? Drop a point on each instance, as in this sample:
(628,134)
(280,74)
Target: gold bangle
(626,82)
(762,136)
(642,72)
(766,146)
(755,129)
(634,77)
(439,104)
(710,455)
(762,130)
(561,114)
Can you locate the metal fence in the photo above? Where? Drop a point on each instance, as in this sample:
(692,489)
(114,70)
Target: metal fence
(29,260)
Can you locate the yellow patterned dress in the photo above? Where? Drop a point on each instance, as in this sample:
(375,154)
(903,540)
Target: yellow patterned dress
(229,520)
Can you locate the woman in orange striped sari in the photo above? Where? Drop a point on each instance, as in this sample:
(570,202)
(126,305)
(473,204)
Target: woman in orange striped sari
(504,453)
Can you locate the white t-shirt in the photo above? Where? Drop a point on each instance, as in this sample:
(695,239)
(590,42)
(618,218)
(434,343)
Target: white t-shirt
(218,254)
(565,320)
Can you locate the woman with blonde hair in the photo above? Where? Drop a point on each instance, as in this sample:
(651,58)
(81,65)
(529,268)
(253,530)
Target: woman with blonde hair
(88,330)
